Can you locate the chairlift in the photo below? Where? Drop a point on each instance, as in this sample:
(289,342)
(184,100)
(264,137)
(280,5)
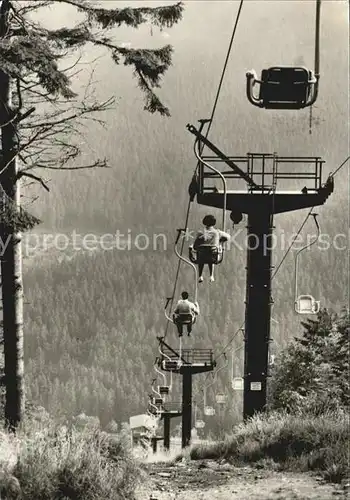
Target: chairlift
(283,87)
(217,254)
(238,384)
(288,87)
(211,383)
(221,398)
(199,424)
(150,414)
(151,410)
(153,418)
(163,389)
(187,318)
(154,409)
(183,318)
(153,389)
(272,359)
(157,400)
(171,364)
(305,304)
(215,257)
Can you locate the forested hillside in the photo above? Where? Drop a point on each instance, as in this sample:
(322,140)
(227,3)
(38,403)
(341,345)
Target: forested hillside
(91,321)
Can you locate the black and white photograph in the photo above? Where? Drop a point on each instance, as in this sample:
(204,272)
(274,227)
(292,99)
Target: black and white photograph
(174,250)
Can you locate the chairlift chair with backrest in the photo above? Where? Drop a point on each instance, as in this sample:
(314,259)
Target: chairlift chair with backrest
(305,304)
(154,409)
(208,410)
(217,254)
(169,363)
(164,389)
(157,401)
(183,318)
(287,87)
(283,87)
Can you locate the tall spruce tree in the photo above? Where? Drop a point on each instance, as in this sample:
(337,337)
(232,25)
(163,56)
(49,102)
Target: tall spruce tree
(40,115)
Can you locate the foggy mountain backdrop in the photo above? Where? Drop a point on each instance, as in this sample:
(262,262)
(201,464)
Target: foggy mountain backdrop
(92,317)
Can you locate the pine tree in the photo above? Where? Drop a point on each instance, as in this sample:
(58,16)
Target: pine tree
(312,373)
(31,77)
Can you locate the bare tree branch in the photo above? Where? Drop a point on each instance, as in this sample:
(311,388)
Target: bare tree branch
(53,138)
(32,176)
(36,5)
(94,108)
(96,164)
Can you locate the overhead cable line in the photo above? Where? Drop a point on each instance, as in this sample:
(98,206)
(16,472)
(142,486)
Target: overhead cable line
(286,253)
(292,243)
(306,218)
(317,52)
(340,167)
(171,302)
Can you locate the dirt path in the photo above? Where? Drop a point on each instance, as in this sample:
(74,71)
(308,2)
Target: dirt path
(208,480)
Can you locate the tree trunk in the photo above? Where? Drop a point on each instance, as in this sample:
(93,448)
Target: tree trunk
(11,267)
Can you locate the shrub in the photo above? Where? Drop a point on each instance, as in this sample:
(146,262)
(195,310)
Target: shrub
(57,462)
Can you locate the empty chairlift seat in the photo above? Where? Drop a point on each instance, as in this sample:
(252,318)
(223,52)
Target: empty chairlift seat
(306,304)
(209,411)
(163,389)
(283,87)
(170,364)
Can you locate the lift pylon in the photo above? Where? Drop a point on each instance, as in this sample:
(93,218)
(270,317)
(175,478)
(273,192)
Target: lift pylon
(187,363)
(169,410)
(251,182)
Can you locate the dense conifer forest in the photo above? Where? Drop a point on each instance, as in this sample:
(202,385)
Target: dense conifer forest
(92,317)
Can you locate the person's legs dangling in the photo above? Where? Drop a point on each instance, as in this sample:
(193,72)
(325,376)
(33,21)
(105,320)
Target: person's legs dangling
(179,328)
(211,272)
(200,269)
(189,328)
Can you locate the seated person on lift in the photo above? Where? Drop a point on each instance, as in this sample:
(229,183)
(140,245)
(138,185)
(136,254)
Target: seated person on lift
(185,314)
(207,244)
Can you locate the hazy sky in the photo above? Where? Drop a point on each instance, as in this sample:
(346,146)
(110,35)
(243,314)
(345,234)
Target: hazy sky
(269,33)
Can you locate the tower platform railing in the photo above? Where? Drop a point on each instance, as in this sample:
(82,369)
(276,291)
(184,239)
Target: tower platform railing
(174,407)
(189,357)
(265,169)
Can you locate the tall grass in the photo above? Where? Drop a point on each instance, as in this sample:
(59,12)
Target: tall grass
(54,462)
(294,442)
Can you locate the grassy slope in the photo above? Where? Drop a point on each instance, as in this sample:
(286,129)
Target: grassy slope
(295,442)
